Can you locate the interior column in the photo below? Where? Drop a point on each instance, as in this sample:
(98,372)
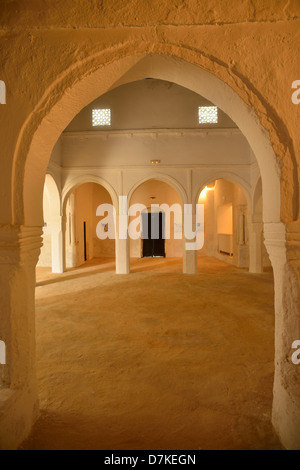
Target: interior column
(19,252)
(122,256)
(122,240)
(286,401)
(57,245)
(189,254)
(69,234)
(255,247)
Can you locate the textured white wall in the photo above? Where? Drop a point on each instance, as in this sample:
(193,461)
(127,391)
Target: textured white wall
(147,104)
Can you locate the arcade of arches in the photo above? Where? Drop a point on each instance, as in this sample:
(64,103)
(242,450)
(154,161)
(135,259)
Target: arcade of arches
(139,343)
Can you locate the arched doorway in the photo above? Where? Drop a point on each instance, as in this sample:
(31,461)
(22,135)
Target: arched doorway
(218,92)
(159,220)
(227,207)
(85,236)
(153,233)
(51,251)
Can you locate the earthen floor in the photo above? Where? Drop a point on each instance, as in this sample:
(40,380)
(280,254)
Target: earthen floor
(155,359)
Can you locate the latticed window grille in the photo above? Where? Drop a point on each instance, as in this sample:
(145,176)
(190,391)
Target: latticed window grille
(101,117)
(208,114)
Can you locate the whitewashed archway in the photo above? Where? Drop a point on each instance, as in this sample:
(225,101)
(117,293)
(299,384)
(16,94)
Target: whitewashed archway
(69,188)
(164,177)
(88,79)
(82,179)
(52,235)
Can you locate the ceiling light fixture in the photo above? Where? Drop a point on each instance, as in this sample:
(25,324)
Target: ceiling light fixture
(204,192)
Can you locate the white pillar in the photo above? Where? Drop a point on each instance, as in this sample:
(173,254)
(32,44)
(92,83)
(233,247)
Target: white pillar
(57,245)
(255,247)
(19,253)
(122,256)
(189,260)
(189,256)
(122,243)
(69,234)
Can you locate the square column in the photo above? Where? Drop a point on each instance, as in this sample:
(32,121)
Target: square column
(255,247)
(57,245)
(69,236)
(122,240)
(286,398)
(190,227)
(189,260)
(122,256)
(19,252)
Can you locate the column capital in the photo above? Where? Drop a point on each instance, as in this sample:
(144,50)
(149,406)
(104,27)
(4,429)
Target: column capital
(275,242)
(293,241)
(19,244)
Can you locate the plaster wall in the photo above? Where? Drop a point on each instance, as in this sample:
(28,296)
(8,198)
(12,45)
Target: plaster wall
(149,104)
(172,147)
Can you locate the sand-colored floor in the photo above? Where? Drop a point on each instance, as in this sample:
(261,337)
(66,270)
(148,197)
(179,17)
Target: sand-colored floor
(155,359)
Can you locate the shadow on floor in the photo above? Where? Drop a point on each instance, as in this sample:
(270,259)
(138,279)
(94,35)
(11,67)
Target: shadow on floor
(206,265)
(95,266)
(155,360)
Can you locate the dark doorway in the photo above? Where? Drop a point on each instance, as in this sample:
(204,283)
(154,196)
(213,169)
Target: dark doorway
(153,234)
(84,240)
